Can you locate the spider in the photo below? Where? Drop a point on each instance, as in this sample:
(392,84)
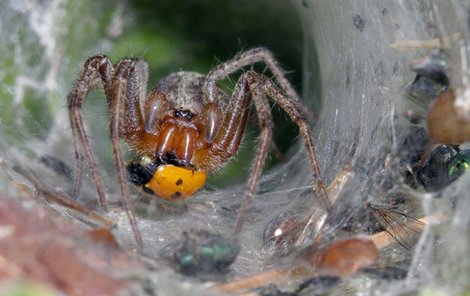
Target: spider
(186,127)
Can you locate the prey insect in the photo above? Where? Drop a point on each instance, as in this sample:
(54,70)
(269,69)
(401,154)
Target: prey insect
(186,127)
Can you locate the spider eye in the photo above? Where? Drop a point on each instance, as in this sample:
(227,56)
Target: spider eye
(174,183)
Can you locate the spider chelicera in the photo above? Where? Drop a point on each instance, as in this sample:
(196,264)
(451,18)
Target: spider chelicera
(186,127)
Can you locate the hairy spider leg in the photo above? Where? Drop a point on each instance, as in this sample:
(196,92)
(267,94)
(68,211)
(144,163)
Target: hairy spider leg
(260,86)
(286,97)
(129,87)
(255,86)
(296,115)
(265,122)
(250,57)
(122,97)
(93,66)
(228,139)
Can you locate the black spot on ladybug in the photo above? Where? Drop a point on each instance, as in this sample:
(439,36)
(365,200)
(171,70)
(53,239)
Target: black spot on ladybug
(179,182)
(176,195)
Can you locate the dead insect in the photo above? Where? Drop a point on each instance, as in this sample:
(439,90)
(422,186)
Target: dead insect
(441,166)
(201,252)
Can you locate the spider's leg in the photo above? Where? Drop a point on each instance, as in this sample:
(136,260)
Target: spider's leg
(93,66)
(77,180)
(229,135)
(297,116)
(250,57)
(126,121)
(266,125)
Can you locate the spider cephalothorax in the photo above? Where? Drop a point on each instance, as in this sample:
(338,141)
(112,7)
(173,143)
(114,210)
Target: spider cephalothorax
(187,127)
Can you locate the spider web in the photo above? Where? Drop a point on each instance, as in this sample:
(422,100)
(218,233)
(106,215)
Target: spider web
(349,66)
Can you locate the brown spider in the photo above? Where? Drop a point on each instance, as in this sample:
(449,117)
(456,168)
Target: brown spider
(186,127)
